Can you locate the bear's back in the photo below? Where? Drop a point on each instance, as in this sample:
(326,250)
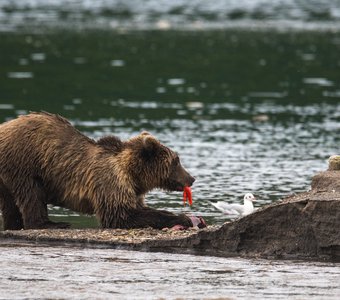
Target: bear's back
(40,138)
(36,128)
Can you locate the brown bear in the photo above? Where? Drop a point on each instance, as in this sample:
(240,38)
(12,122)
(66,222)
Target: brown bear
(44,159)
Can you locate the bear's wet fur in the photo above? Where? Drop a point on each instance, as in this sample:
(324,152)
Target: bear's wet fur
(44,159)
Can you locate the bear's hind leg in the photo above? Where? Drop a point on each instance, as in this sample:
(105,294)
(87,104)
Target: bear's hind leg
(33,207)
(11,216)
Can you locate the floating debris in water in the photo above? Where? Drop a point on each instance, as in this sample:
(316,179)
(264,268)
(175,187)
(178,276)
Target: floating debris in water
(6,106)
(69,107)
(79,60)
(163,24)
(195,105)
(20,75)
(77,101)
(176,81)
(23,61)
(117,63)
(318,81)
(161,90)
(261,118)
(38,56)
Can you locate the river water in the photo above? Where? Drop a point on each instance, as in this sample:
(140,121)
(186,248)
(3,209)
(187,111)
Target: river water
(247,111)
(247,92)
(162,14)
(72,273)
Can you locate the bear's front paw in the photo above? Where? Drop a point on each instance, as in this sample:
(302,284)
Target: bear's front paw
(198,222)
(189,221)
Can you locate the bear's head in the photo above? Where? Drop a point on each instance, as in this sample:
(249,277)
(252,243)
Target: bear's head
(154,165)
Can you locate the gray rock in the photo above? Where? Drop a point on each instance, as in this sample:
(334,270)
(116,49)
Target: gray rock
(304,226)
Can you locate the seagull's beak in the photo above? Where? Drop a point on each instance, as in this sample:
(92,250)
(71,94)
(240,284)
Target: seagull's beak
(254,199)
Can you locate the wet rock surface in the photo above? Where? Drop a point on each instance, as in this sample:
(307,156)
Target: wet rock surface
(304,226)
(129,238)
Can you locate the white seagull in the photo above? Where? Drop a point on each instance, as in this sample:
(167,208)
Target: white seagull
(237,209)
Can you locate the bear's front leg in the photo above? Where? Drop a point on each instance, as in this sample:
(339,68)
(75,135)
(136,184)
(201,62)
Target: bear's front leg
(127,218)
(158,219)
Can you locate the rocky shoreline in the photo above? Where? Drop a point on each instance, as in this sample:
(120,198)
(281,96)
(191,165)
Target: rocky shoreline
(116,238)
(304,226)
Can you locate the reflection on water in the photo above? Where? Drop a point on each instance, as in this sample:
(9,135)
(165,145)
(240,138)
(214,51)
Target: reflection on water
(60,272)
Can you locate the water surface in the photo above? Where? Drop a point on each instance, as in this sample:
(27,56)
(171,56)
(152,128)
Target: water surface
(247,92)
(179,14)
(247,111)
(58,273)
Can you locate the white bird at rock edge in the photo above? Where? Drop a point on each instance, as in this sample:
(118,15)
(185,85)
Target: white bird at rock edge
(237,209)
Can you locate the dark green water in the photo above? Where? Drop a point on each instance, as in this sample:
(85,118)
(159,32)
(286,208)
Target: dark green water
(254,111)
(98,67)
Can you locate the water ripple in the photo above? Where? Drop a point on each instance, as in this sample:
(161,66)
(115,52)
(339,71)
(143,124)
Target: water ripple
(138,275)
(165,15)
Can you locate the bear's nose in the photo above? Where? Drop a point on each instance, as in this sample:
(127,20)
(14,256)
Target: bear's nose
(191,180)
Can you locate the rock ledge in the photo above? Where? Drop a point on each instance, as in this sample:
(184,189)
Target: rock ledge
(304,226)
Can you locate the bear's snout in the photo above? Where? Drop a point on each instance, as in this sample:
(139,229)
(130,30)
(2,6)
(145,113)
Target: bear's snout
(191,180)
(178,179)
(186,178)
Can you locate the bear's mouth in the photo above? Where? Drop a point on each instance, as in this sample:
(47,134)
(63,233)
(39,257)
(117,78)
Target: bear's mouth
(179,188)
(175,186)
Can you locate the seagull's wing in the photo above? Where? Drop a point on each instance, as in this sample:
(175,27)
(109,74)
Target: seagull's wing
(230,209)
(222,206)
(239,208)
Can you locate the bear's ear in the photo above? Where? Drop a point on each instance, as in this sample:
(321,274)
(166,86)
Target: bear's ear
(111,143)
(145,133)
(150,146)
